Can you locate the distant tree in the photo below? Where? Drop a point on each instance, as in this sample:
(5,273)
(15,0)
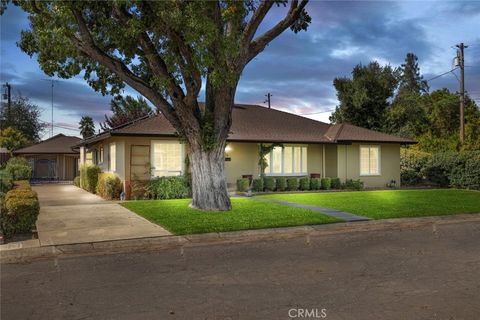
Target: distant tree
(365,97)
(23,116)
(87,127)
(125,110)
(12,139)
(410,79)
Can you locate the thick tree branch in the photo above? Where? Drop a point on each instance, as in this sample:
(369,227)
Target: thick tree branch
(255,21)
(257,45)
(88,47)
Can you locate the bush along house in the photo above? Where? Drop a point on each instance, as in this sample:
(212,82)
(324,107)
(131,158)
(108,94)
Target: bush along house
(296,147)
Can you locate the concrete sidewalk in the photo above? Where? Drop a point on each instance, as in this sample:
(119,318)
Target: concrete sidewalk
(71,215)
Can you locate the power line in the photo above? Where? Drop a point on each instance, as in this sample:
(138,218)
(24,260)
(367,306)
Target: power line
(308,114)
(440,75)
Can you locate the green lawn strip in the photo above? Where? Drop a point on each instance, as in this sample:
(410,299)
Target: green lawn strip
(178,218)
(391,203)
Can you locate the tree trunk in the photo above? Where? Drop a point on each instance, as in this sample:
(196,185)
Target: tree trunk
(209,188)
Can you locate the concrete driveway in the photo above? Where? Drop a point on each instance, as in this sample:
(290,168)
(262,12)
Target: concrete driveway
(71,215)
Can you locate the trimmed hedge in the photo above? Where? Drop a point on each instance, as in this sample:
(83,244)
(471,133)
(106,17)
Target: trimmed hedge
(18,169)
(257,185)
(353,185)
(336,183)
(168,188)
(326,183)
(269,183)
(304,183)
(89,177)
(281,183)
(315,183)
(242,184)
(20,209)
(76,181)
(109,186)
(461,170)
(292,184)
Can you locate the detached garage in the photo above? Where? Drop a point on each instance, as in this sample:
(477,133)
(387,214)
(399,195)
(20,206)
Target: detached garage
(53,159)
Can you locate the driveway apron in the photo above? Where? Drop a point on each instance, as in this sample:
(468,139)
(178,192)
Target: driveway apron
(72,215)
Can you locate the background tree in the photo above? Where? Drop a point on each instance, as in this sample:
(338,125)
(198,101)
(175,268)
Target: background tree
(164,50)
(12,139)
(364,98)
(23,116)
(410,79)
(87,127)
(125,110)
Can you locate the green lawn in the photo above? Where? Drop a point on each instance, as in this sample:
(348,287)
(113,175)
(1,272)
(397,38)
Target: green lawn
(178,218)
(391,203)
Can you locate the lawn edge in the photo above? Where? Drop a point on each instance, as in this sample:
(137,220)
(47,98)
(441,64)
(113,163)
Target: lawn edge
(22,255)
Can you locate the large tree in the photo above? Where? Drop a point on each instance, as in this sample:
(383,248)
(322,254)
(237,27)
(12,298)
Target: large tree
(124,110)
(23,116)
(86,126)
(410,79)
(164,50)
(365,97)
(12,139)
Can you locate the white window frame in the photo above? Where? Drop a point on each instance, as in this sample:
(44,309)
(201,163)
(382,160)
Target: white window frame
(304,171)
(152,155)
(110,162)
(379,160)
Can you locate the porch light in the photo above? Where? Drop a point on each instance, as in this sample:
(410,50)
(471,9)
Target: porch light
(228,148)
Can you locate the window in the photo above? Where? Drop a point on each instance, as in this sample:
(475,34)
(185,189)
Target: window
(112,157)
(369,160)
(89,157)
(289,160)
(167,158)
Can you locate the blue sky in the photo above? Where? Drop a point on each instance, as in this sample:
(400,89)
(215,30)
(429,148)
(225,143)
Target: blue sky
(297,69)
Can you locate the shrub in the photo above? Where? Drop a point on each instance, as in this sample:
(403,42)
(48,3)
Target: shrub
(336,183)
(89,177)
(22,184)
(5,185)
(269,183)
(467,175)
(315,183)
(138,189)
(353,184)
(109,186)
(304,183)
(242,184)
(326,183)
(18,169)
(257,185)
(281,183)
(21,211)
(292,184)
(76,181)
(168,188)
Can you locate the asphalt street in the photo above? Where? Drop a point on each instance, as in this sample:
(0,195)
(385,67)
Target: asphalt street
(423,273)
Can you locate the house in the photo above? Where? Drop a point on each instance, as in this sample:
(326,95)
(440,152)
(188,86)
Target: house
(149,147)
(53,159)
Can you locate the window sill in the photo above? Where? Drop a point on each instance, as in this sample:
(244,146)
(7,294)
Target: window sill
(287,174)
(370,175)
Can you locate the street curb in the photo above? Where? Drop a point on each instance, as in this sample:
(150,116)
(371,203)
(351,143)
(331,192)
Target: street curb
(17,255)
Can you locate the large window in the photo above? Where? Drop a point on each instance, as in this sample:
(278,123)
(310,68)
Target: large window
(369,160)
(112,157)
(167,158)
(289,160)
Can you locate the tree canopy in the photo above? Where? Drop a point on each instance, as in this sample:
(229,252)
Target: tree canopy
(23,116)
(87,127)
(125,109)
(12,139)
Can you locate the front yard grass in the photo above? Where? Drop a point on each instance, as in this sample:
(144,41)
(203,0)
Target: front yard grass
(391,203)
(178,218)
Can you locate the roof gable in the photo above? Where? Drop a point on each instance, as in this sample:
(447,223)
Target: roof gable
(57,144)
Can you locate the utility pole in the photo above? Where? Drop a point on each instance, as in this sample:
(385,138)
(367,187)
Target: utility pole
(268,100)
(461,63)
(8,96)
(52,82)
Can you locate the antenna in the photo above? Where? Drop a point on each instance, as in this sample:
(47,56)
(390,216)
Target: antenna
(52,81)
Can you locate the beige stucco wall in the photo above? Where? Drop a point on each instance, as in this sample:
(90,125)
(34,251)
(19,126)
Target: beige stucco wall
(243,160)
(330,160)
(349,164)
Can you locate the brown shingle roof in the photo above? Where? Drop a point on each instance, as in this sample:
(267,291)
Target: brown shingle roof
(259,124)
(57,144)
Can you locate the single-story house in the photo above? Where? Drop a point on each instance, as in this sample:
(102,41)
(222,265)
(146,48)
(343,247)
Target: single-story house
(53,159)
(149,147)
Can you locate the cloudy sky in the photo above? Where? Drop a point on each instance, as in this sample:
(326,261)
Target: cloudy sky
(297,69)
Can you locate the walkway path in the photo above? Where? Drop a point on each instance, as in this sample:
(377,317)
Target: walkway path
(346,216)
(71,215)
